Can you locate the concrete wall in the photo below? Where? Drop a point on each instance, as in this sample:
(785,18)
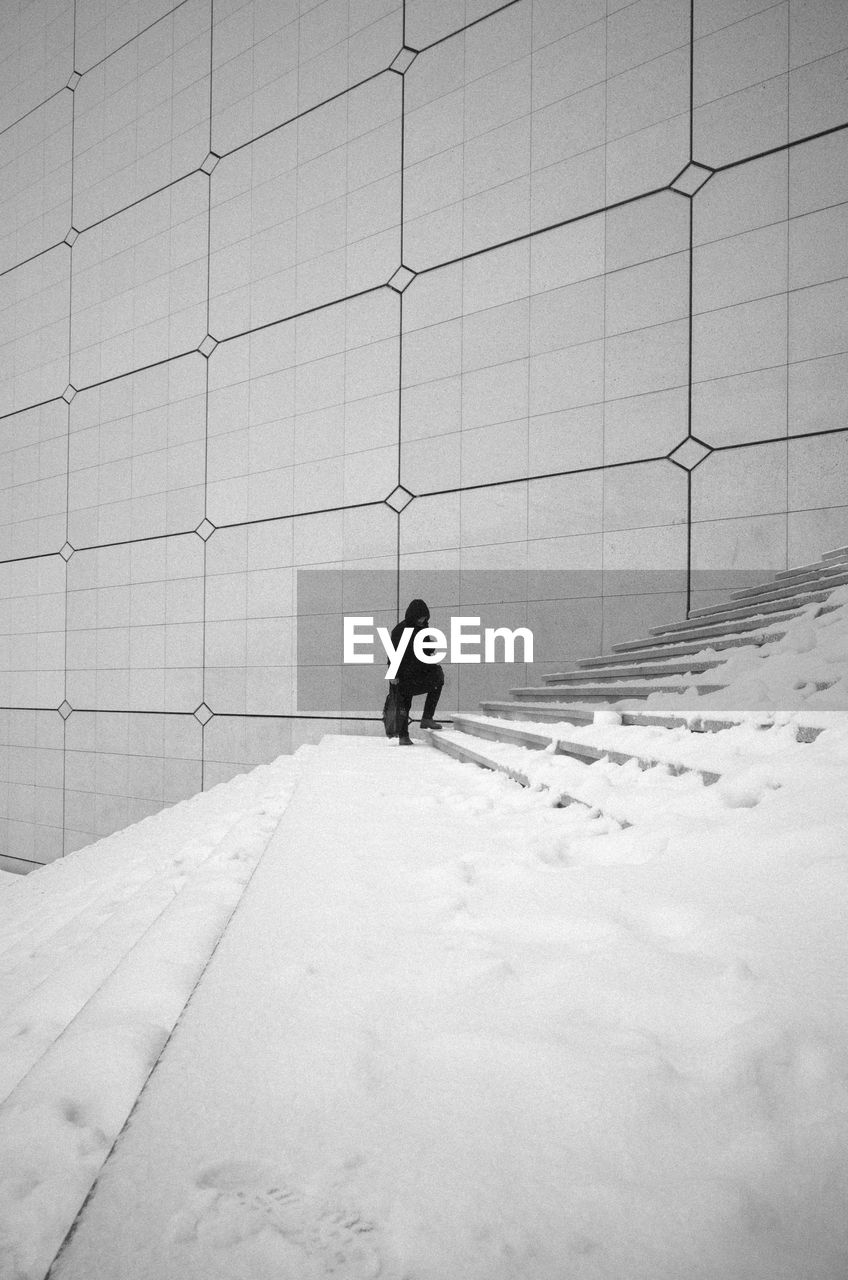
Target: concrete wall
(623,350)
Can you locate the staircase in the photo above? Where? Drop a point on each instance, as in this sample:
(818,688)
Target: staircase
(101,955)
(559,716)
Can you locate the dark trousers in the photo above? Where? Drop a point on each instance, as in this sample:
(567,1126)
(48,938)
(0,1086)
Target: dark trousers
(431,684)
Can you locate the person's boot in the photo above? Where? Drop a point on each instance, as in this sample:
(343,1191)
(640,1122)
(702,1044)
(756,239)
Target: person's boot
(431,724)
(404,740)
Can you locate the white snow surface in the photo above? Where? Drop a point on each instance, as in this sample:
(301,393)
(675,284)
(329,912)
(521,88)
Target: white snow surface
(98,955)
(408,1020)
(452,1031)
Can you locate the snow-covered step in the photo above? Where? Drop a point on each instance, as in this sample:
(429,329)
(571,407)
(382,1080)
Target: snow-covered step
(628,671)
(79,903)
(84,936)
(829,557)
(823,575)
(627,792)
(497,730)
(107,1050)
(86,904)
(32,1023)
(84,929)
(106,926)
(698,722)
(742,613)
(80,921)
(537,739)
(708,629)
(466,749)
(50,999)
(553,711)
(673,633)
(800,571)
(779,594)
(611,692)
(724,637)
(48,987)
(623,656)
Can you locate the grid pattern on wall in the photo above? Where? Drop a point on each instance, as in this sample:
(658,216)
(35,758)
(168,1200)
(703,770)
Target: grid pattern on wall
(443,285)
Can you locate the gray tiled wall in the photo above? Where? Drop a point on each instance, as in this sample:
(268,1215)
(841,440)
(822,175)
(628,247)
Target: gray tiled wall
(449,285)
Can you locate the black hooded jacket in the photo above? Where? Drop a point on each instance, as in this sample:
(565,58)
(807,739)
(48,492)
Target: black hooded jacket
(410,667)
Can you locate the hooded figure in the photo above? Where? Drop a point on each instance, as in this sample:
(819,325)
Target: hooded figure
(415,677)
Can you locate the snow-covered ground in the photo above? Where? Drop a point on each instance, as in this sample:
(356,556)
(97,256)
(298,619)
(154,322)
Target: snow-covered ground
(451,1031)
(438,1028)
(98,955)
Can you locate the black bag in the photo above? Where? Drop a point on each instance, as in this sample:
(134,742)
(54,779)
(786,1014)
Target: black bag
(392,713)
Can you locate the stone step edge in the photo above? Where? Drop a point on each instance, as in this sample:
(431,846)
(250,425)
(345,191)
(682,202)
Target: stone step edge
(707,630)
(612,694)
(619,693)
(743,613)
(616,671)
(702,722)
(822,576)
(459,751)
(738,626)
(838,553)
(538,741)
(752,640)
(118,993)
(773,595)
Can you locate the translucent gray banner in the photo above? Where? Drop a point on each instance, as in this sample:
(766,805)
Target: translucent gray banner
(721,639)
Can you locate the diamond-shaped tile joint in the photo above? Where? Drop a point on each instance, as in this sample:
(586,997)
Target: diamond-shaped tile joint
(208,345)
(69,393)
(399,498)
(202,713)
(205,529)
(402,279)
(71,236)
(690,453)
(66,551)
(404,60)
(65,710)
(210,162)
(692,178)
(73,80)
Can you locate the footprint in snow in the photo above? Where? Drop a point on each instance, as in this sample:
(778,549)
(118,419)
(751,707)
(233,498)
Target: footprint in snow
(244,1218)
